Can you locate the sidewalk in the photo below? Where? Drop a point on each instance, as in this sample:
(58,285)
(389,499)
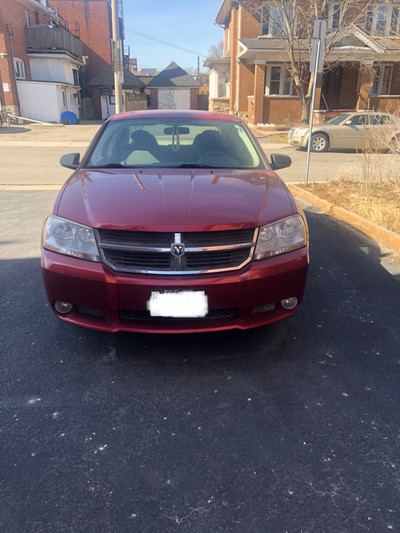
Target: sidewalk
(30,154)
(58,135)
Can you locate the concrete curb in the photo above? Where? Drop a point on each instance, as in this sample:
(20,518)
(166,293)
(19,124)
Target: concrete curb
(382,236)
(265,131)
(27,187)
(44,144)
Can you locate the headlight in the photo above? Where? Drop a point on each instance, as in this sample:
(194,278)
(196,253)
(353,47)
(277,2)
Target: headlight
(69,238)
(282,236)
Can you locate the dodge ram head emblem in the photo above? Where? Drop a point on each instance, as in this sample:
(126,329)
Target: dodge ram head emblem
(177,249)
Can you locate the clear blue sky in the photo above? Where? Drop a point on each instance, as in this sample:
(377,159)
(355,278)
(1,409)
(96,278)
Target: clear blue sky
(185,23)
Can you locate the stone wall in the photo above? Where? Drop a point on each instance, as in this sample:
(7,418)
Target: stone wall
(220,105)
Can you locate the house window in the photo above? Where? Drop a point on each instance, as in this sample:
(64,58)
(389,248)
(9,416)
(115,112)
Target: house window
(382,20)
(76,77)
(382,80)
(332,15)
(27,19)
(19,69)
(222,87)
(278,81)
(276,21)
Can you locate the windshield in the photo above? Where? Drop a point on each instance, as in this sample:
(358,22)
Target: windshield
(175,143)
(338,119)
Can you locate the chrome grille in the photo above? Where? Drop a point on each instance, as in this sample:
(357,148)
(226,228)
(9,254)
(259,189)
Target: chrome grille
(150,252)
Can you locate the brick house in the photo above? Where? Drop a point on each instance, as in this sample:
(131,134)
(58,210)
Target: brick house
(39,61)
(253,81)
(92,20)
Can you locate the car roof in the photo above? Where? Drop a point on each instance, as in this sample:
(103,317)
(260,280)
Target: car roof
(172,113)
(366,112)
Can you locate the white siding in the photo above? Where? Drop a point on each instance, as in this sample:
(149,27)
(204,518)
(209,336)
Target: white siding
(213,83)
(38,101)
(44,101)
(47,69)
(52,69)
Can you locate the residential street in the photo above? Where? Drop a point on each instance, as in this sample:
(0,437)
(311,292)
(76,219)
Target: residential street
(40,148)
(291,427)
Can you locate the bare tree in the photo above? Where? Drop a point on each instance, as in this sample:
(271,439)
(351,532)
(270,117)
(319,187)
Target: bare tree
(293,21)
(216,50)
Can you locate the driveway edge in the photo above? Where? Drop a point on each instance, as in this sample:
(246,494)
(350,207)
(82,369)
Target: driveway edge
(387,238)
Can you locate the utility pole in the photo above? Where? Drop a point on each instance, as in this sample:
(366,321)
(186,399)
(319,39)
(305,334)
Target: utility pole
(198,68)
(10,34)
(118,68)
(316,66)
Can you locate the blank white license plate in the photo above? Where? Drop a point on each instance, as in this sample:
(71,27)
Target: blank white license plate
(178,304)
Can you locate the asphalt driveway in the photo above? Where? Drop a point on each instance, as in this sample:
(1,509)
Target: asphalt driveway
(292,427)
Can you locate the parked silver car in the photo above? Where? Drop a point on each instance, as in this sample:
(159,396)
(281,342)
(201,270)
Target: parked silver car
(351,131)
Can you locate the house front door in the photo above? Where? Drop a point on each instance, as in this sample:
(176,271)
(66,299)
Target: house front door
(330,90)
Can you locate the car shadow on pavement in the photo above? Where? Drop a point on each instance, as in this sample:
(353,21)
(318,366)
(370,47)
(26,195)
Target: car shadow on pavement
(346,284)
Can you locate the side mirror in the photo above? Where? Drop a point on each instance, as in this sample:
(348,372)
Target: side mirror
(348,122)
(70,161)
(280,161)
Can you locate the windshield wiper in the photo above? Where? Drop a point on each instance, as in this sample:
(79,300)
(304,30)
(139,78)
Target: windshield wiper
(196,165)
(113,165)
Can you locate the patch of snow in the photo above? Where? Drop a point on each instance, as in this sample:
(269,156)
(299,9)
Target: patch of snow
(32,401)
(101,448)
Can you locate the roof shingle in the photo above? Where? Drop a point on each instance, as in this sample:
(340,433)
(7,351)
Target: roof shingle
(173,76)
(106,78)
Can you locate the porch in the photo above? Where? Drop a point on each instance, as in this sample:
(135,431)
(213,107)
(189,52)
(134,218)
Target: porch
(41,38)
(342,86)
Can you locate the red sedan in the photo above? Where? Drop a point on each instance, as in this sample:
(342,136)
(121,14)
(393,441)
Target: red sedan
(174,221)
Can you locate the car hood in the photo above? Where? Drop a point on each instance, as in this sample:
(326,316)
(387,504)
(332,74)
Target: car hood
(172,199)
(306,128)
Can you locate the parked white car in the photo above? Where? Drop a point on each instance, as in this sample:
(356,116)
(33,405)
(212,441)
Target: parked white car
(351,131)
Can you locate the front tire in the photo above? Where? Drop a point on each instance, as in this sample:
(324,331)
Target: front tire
(319,142)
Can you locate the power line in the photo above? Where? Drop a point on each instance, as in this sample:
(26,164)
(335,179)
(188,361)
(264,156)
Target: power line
(151,37)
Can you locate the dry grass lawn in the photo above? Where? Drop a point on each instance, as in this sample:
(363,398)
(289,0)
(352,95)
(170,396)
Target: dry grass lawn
(278,138)
(378,202)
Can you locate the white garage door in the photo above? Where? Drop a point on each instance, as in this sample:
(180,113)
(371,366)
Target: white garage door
(165,99)
(182,99)
(174,98)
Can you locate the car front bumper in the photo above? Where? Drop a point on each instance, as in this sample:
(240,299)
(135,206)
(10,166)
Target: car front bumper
(113,301)
(297,139)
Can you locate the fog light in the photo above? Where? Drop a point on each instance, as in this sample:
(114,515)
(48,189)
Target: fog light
(63,307)
(289,303)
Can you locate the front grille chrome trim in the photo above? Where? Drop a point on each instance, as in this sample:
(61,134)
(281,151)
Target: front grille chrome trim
(103,246)
(128,248)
